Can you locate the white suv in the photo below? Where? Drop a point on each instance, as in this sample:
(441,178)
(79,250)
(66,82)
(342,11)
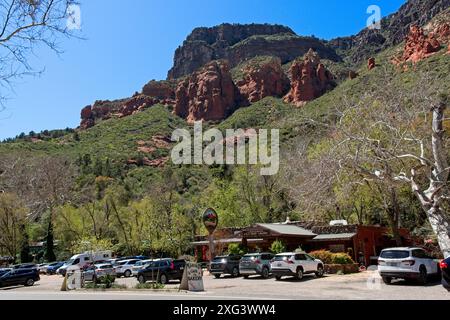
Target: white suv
(406,263)
(295,265)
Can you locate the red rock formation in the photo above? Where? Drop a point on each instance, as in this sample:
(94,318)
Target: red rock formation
(208,94)
(135,104)
(371,63)
(164,91)
(87,119)
(419,46)
(156,163)
(263,80)
(310,80)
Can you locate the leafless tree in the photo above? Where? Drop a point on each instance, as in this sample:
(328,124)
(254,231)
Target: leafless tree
(391,146)
(25,25)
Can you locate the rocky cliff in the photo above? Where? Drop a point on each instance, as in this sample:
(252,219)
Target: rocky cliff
(237,43)
(208,94)
(394,29)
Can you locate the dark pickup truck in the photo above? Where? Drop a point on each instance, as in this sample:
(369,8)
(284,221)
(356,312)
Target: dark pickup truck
(162,271)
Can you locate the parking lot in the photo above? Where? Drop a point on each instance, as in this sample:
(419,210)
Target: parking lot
(363,286)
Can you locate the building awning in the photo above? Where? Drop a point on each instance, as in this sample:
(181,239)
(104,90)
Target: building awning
(333,237)
(287,229)
(225,241)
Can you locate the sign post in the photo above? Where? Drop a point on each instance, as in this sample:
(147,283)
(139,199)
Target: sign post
(211,220)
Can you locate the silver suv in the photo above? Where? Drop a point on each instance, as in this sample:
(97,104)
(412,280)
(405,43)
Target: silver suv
(256,264)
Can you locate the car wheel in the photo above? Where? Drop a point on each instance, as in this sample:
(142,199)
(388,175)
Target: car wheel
(235,272)
(265,273)
(127,274)
(387,280)
(29,282)
(319,273)
(141,279)
(299,275)
(217,276)
(277,278)
(245,277)
(163,279)
(423,276)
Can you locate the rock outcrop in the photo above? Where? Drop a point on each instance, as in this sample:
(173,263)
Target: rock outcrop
(208,94)
(262,79)
(164,91)
(309,80)
(394,28)
(420,45)
(371,63)
(237,43)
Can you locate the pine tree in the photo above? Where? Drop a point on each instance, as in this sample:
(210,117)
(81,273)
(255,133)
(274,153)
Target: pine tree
(49,249)
(25,256)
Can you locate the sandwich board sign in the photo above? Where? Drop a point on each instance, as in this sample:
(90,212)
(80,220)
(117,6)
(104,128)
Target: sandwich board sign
(192,278)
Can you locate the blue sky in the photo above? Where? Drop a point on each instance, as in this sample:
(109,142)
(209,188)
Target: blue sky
(131,42)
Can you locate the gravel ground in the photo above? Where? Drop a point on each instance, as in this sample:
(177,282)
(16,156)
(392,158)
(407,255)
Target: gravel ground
(366,285)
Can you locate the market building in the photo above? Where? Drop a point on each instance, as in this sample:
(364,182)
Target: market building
(362,243)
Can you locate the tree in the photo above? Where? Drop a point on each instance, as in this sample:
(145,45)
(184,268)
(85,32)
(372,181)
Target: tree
(25,25)
(12,220)
(388,148)
(25,256)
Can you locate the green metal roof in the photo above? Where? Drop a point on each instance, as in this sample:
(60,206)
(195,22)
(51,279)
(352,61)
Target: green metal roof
(287,229)
(338,236)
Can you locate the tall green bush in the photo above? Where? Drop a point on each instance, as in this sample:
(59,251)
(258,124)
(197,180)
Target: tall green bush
(277,247)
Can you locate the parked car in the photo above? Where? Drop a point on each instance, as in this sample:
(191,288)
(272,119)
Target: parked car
(22,276)
(139,266)
(225,265)
(41,267)
(445,269)
(4,271)
(53,267)
(162,271)
(123,268)
(25,266)
(98,272)
(296,265)
(406,263)
(256,263)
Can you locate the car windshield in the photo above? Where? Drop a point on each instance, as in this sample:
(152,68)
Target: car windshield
(282,258)
(394,254)
(219,259)
(249,258)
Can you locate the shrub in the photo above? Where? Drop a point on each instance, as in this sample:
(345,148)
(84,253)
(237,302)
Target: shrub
(235,249)
(150,285)
(325,256)
(277,247)
(332,258)
(342,258)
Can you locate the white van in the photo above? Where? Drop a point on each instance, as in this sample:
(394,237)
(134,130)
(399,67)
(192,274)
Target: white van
(84,259)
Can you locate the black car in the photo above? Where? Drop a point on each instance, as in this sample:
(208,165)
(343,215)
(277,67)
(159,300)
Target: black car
(25,266)
(225,265)
(4,271)
(445,267)
(162,271)
(17,277)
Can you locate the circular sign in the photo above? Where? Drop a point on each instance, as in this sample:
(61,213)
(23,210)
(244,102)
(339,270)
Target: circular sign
(210,220)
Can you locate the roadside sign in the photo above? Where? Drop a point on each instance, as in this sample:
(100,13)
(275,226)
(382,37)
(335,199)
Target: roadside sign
(192,278)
